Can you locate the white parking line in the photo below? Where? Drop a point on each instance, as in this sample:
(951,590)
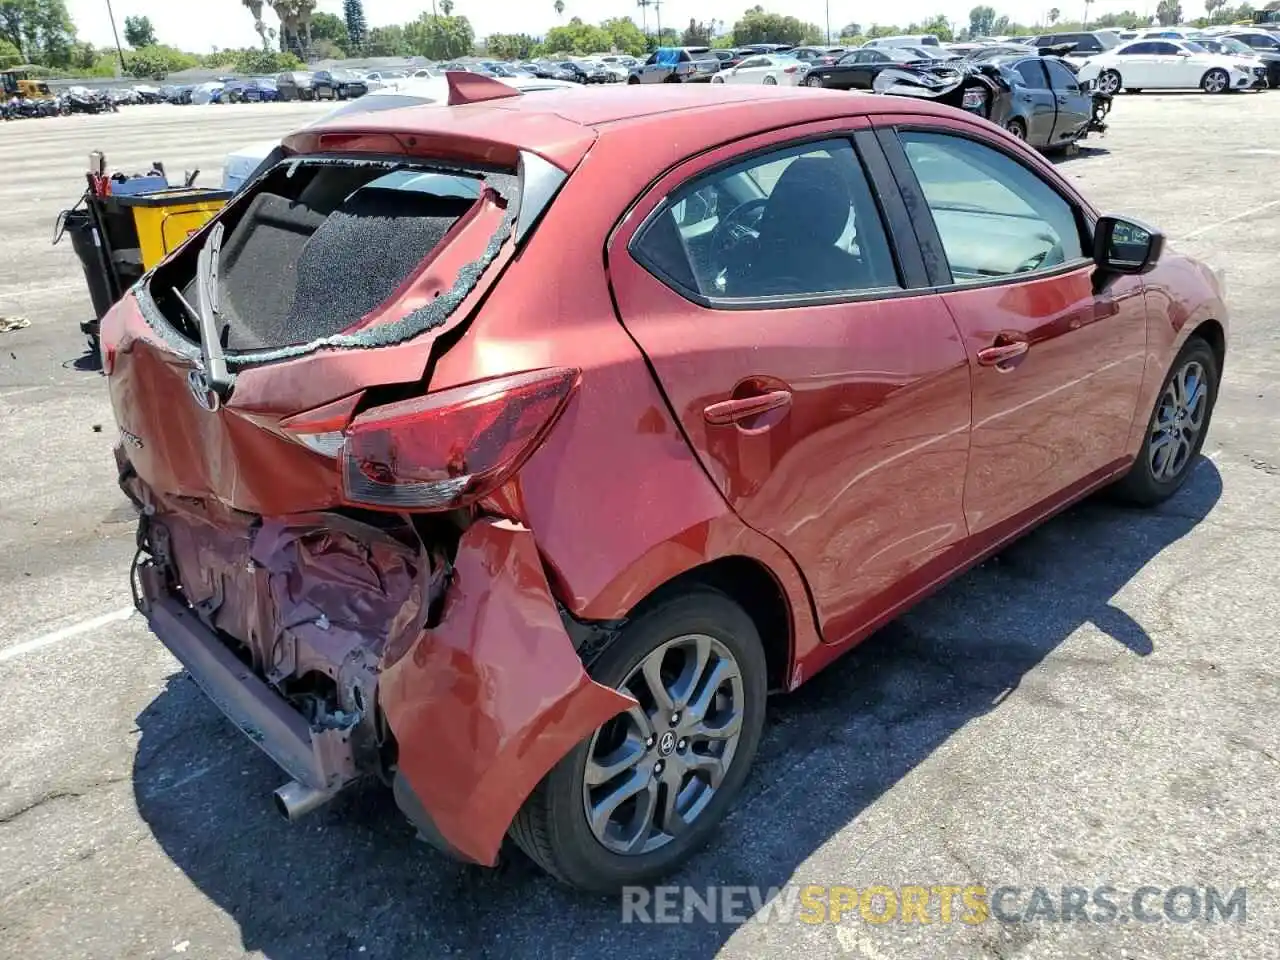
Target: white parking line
(1222,223)
(66,633)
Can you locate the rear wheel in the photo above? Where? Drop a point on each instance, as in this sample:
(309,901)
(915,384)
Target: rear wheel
(648,788)
(813,81)
(1109,82)
(770,82)
(1017,128)
(1215,81)
(1177,428)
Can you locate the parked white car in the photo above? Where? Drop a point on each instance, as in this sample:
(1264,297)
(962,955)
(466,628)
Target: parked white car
(241,165)
(772,70)
(1168,65)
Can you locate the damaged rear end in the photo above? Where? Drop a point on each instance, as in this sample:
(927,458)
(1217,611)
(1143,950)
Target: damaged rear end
(317,541)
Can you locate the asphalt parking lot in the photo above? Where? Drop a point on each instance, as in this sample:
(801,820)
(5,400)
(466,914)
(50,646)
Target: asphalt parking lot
(1095,707)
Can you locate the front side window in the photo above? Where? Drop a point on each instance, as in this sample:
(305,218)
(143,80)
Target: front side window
(995,217)
(798,222)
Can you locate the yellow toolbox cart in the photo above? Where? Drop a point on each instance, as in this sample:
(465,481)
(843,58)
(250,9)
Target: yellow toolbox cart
(166,218)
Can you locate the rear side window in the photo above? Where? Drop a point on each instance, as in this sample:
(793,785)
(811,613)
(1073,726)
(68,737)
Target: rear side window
(1031,74)
(995,217)
(799,222)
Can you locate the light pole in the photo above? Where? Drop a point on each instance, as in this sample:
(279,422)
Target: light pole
(115,33)
(828,23)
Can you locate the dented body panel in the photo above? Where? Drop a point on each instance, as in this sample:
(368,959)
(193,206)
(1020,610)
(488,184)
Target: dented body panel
(487,701)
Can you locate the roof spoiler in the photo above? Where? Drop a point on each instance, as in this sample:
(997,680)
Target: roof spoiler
(475,88)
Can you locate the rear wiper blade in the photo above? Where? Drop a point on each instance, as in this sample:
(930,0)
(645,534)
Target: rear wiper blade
(205,314)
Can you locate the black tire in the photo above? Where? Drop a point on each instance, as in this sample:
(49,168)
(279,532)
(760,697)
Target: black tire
(770,82)
(1018,128)
(1109,81)
(1216,80)
(633,80)
(551,827)
(1140,485)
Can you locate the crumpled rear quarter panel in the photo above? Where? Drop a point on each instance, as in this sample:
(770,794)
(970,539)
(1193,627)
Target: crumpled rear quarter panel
(484,704)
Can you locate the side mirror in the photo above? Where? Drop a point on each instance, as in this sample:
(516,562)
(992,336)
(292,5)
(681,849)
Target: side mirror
(1122,245)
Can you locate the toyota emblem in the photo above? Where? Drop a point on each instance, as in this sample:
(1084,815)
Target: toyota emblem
(203,393)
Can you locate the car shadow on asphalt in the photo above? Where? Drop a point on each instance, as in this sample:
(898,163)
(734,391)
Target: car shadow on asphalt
(1081,152)
(351,881)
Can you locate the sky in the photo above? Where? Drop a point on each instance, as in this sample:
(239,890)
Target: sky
(200,26)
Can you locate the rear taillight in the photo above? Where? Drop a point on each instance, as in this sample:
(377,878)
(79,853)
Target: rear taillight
(790,69)
(107,354)
(451,448)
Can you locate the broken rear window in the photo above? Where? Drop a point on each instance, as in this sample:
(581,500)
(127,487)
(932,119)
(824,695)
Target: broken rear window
(318,245)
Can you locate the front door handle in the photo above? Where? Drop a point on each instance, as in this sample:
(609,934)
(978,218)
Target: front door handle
(744,408)
(1003,353)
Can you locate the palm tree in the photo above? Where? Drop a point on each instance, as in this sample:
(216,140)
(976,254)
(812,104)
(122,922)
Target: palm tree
(446,7)
(1055,13)
(306,9)
(559,5)
(255,9)
(644,17)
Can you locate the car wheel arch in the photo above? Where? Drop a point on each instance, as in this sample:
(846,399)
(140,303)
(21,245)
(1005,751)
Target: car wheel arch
(752,585)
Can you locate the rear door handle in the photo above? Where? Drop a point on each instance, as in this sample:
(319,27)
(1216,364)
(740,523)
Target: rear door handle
(743,408)
(994,356)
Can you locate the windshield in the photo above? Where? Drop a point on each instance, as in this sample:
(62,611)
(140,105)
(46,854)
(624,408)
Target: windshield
(374,102)
(1107,39)
(1194,47)
(1231,45)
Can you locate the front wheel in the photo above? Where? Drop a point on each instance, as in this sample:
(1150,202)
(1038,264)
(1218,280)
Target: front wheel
(647,789)
(1177,428)
(770,82)
(813,81)
(1215,81)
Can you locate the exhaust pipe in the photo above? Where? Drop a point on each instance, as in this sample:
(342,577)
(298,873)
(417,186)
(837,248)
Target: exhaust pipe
(295,800)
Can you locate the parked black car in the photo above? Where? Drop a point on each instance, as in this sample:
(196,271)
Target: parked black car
(338,85)
(818,56)
(584,73)
(296,85)
(859,69)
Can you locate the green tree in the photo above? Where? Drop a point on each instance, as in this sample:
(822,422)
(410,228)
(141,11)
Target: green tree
(757,26)
(157,61)
(625,35)
(510,46)
(1211,7)
(1169,12)
(851,30)
(696,34)
(138,32)
(387,42)
(10,56)
(357,26)
(668,37)
(440,38)
(41,30)
(577,37)
(982,21)
(937,25)
(327,26)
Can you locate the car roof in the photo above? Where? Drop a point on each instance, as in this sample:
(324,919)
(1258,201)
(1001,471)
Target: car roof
(562,128)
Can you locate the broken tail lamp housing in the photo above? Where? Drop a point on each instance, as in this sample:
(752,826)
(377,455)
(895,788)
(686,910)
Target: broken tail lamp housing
(443,450)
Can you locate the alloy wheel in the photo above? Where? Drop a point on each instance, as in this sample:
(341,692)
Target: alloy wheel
(1109,82)
(1178,422)
(1215,81)
(652,771)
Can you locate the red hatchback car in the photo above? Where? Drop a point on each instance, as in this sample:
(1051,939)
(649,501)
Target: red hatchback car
(512,451)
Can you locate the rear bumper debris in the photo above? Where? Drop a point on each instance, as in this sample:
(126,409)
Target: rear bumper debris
(344,651)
